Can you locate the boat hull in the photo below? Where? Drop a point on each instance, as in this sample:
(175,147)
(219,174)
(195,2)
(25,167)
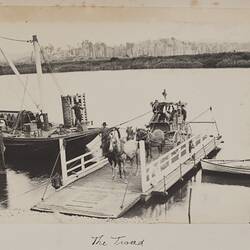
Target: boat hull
(219,166)
(46,148)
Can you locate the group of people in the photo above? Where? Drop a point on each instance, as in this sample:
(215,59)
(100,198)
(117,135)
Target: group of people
(171,113)
(9,118)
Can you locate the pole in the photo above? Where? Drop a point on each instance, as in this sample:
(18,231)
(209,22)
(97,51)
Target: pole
(39,78)
(38,70)
(142,156)
(2,149)
(189,206)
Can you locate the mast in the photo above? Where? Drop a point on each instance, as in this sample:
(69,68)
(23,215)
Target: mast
(38,71)
(39,78)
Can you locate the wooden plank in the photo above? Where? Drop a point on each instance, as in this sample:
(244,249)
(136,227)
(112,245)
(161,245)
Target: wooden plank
(96,195)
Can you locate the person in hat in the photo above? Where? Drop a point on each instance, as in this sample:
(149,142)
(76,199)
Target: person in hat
(105,139)
(78,115)
(184,112)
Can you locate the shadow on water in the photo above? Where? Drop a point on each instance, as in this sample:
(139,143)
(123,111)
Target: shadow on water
(31,168)
(38,166)
(160,203)
(23,175)
(225,179)
(3,190)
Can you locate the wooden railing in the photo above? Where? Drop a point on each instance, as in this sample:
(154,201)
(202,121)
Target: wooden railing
(157,170)
(79,166)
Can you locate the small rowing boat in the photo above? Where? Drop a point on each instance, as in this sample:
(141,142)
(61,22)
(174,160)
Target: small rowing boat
(227,166)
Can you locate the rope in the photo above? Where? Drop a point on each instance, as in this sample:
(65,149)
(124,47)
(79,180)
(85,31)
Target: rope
(51,70)
(202,113)
(21,107)
(125,193)
(118,125)
(15,40)
(135,118)
(52,171)
(14,69)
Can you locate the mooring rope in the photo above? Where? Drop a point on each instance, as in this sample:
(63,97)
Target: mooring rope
(202,113)
(52,171)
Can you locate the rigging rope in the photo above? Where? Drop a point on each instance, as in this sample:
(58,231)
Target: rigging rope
(14,69)
(51,70)
(135,118)
(118,125)
(202,113)
(15,40)
(21,107)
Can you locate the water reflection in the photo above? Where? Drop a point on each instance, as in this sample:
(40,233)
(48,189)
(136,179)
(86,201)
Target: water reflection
(211,199)
(32,169)
(3,189)
(21,181)
(225,179)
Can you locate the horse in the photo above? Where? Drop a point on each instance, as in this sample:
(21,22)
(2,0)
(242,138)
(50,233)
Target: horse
(152,139)
(115,156)
(131,147)
(143,134)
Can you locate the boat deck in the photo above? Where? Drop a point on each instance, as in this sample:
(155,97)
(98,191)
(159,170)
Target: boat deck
(98,195)
(95,195)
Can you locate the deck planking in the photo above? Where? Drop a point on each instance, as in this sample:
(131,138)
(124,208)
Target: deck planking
(96,195)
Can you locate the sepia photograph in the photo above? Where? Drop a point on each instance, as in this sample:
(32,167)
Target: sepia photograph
(113,114)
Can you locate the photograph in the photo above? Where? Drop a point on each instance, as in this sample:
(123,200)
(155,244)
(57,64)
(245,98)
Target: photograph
(112,114)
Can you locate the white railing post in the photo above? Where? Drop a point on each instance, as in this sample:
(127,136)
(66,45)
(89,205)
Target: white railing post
(63,161)
(143,165)
(82,163)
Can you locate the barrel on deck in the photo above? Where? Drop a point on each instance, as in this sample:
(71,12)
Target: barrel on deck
(67,111)
(68,115)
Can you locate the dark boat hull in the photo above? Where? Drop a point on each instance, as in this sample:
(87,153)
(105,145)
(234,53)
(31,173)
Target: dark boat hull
(46,148)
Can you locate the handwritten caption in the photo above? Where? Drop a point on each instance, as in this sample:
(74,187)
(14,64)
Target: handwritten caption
(102,240)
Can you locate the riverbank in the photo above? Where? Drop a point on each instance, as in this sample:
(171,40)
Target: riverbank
(215,60)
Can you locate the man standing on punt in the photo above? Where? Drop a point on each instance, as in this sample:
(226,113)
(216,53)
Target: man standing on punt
(78,115)
(105,139)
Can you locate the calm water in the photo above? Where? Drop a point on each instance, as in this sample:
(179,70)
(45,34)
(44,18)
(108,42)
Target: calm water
(117,96)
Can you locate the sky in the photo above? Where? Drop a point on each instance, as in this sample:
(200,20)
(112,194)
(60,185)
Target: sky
(119,25)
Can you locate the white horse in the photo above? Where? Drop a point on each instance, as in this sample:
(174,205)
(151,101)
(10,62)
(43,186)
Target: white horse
(116,156)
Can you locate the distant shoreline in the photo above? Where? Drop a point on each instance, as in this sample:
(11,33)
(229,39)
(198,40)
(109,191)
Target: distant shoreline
(214,60)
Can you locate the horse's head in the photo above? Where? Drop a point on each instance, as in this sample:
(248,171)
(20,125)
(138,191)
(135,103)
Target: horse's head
(141,134)
(130,133)
(115,143)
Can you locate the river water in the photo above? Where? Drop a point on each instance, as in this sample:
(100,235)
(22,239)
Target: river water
(117,96)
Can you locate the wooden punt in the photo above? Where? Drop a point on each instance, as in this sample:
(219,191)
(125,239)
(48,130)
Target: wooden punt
(227,166)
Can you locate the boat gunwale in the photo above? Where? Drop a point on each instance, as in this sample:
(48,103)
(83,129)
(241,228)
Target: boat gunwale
(224,166)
